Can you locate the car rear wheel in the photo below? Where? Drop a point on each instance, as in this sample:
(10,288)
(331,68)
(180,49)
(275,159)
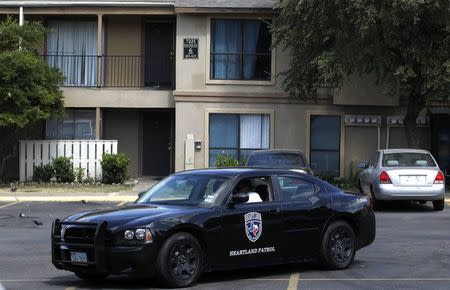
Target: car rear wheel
(438,205)
(91,276)
(179,261)
(338,246)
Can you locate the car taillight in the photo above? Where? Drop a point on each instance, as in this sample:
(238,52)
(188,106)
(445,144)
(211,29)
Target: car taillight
(384,178)
(439,178)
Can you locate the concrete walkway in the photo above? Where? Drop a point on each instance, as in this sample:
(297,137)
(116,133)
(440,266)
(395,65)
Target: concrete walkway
(143,184)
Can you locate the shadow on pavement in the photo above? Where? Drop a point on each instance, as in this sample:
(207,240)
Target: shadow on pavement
(130,282)
(405,206)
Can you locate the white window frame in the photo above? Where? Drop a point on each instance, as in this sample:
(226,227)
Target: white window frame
(271,114)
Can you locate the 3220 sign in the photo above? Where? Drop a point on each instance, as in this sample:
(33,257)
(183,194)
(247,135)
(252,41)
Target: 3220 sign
(191,48)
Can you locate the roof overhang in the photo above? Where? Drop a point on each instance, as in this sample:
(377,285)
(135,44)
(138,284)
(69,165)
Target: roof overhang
(54,3)
(200,10)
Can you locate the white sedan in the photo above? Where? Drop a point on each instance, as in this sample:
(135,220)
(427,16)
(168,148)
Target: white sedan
(403,174)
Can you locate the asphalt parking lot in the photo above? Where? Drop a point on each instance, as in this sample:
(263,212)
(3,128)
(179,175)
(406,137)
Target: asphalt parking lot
(411,251)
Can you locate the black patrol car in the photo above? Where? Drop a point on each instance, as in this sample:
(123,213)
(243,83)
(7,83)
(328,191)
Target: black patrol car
(202,220)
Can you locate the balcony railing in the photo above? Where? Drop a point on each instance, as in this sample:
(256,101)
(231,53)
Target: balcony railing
(100,71)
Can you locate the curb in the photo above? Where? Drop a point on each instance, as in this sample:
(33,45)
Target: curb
(102,198)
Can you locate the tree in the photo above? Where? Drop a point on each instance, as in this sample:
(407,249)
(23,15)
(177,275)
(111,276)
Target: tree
(29,89)
(405,43)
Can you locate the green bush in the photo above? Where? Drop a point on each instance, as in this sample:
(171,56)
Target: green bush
(63,167)
(79,174)
(43,173)
(115,168)
(226,160)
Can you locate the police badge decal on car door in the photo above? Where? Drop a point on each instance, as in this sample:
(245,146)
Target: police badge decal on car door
(253,226)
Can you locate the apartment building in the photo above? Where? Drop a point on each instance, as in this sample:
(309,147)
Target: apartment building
(177,82)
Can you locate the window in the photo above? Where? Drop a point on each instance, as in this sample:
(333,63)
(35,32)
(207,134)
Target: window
(259,185)
(240,49)
(237,135)
(76,125)
(325,138)
(295,189)
(186,189)
(72,48)
(408,160)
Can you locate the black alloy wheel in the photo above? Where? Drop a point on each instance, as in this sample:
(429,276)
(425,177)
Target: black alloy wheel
(180,260)
(338,246)
(184,260)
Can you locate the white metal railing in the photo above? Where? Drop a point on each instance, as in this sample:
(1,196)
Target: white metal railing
(85,154)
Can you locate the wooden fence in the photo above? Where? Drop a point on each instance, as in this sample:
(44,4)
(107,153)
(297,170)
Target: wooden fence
(85,154)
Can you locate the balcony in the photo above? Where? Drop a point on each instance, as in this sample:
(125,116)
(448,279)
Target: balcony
(120,71)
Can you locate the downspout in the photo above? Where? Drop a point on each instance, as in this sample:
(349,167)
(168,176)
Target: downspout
(379,137)
(21,16)
(388,132)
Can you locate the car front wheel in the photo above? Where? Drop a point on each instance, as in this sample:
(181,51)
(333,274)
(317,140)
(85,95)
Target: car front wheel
(179,260)
(438,205)
(338,246)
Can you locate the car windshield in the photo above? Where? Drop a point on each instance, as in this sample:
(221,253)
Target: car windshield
(277,160)
(408,160)
(186,189)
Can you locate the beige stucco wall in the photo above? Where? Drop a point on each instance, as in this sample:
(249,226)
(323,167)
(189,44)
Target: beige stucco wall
(365,91)
(124,126)
(290,129)
(191,74)
(117,98)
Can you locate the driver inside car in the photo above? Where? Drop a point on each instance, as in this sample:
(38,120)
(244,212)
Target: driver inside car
(244,186)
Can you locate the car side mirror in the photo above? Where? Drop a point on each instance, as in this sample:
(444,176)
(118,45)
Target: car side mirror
(362,165)
(239,198)
(140,194)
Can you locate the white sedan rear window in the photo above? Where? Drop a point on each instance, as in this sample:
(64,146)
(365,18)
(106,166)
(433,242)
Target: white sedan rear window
(408,160)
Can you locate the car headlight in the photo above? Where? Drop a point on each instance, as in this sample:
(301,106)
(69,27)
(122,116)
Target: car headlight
(141,234)
(129,235)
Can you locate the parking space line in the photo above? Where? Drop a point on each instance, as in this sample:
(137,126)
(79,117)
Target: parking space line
(70,288)
(12,203)
(353,279)
(122,203)
(293,281)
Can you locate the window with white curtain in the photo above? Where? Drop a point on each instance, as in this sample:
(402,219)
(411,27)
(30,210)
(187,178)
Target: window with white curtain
(237,135)
(75,125)
(72,48)
(240,49)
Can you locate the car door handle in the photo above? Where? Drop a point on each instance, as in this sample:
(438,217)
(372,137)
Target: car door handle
(275,210)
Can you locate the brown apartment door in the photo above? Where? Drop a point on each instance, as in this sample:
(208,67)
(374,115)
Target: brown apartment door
(157,143)
(159,54)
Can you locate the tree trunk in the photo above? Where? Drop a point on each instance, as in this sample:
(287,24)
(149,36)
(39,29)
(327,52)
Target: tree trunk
(8,149)
(416,103)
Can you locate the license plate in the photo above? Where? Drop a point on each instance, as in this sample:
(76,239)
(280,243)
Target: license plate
(78,257)
(412,180)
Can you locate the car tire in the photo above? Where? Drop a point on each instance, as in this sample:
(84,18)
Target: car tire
(93,277)
(179,261)
(438,205)
(338,247)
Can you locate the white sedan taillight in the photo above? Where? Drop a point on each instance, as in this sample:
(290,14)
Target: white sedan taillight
(439,178)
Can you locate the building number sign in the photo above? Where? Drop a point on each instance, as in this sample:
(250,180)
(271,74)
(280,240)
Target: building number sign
(191,48)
